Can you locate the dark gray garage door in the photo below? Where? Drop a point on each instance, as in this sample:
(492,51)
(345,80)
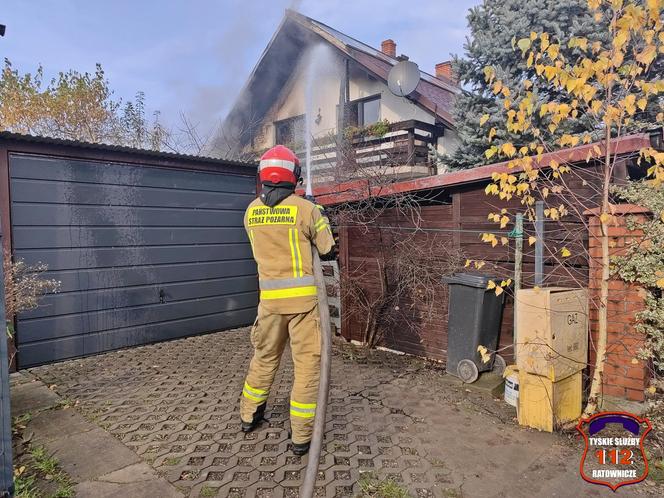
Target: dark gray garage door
(143,254)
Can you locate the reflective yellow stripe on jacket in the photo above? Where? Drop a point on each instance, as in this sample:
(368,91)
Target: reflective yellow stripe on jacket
(321,224)
(296,255)
(288,287)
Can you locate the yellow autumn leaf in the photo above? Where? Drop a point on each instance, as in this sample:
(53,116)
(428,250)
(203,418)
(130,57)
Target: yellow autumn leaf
(492,133)
(489,153)
(652,390)
(484,353)
(564,252)
(604,218)
(491,285)
(484,119)
(504,240)
(524,44)
(531,240)
(660,283)
(479,264)
(508,149)
(504,220)
(497,86)
(635,361)
(499,291)
(647,56)
(468,261)
(642,103)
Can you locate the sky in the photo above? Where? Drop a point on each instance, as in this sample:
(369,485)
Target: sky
(194,56)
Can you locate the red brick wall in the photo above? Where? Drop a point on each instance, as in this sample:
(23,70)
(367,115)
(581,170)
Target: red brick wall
(624,375)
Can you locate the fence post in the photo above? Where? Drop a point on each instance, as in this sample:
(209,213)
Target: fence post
(518,258)
(539,243)
(6,467)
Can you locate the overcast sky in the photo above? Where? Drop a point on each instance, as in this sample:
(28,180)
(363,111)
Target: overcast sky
(193,56)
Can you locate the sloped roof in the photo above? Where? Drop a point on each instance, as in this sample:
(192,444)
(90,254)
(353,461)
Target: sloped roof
(294,34)
(10,140)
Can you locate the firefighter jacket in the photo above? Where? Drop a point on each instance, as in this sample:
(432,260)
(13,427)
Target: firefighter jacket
(281,239)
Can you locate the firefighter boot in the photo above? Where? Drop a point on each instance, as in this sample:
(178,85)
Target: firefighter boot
(259,416)
(301,449)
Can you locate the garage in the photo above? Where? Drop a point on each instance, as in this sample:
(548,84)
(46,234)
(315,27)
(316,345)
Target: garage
(147,246)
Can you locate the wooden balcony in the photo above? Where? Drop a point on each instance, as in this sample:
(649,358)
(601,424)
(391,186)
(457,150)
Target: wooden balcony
(402,152)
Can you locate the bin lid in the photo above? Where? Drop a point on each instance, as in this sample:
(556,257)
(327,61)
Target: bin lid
(477,280)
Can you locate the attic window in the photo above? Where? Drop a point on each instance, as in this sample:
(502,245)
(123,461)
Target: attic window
(363,112)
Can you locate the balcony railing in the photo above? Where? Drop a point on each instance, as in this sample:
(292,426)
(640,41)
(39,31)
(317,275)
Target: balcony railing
(402,151)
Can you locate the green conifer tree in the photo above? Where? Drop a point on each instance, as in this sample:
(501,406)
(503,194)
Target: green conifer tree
(495,28)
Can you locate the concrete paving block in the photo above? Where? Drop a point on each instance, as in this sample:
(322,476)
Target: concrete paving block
(138,472)
(30,397)
(146,489)
(54,424)
(23,377)
(91,454)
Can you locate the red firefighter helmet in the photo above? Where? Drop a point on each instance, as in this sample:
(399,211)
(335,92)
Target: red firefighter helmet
(279,164)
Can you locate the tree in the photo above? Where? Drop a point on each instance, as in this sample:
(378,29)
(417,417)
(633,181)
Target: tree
(74,106)
(495,29)
(610,82)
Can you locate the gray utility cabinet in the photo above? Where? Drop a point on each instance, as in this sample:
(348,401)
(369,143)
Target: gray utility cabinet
(144,253)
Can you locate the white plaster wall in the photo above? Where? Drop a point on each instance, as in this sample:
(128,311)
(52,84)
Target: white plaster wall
(448,142)
(392,107)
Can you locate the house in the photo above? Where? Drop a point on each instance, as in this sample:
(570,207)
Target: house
(308,65)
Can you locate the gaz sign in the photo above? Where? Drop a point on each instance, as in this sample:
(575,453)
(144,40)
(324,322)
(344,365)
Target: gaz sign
(614,454)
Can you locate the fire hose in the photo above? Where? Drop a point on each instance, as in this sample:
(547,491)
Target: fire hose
(307,489)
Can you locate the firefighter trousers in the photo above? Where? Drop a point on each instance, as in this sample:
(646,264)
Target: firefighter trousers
(269,335)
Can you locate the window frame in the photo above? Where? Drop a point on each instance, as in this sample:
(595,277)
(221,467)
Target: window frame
(359,103)
(280,122)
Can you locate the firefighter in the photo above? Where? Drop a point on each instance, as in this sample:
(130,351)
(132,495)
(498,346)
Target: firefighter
(282,228)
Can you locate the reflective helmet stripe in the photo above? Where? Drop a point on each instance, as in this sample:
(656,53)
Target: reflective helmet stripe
(277,163)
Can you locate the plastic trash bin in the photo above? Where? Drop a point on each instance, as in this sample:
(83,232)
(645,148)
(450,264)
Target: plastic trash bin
(475,314)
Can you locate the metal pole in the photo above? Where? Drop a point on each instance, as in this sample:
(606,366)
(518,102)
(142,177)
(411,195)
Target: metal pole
(518,259)
(6,470)
(539,243)
(307,489)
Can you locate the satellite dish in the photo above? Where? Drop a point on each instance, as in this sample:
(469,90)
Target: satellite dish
(403,78)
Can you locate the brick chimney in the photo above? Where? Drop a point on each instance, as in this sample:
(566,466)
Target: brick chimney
(389,47)
(444,70)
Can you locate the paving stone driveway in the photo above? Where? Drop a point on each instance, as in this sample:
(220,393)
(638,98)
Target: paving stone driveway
(176,405)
